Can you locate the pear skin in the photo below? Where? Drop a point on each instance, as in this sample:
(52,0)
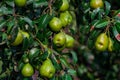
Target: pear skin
(110,45)
(101,43)
(47,69)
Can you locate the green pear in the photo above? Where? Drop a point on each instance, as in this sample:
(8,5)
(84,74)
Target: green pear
(69,41)
(110,44)
(27,70)
(47,69)
(101,43)
(96,4)
(59,39)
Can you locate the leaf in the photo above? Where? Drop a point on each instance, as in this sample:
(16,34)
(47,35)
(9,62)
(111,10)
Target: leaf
(117,24)
(82,69)
(10,25)
(74,56)
(44,20)
(27,20)
(57,4)
(72,72)
(56,64)
(10,3)
(67,77)
(25,43)
(1,64)
(2,24)
(4,36)
(64,62)
(102,23)
(94,13)
(107,7)
(116,34)
(38,3)
(5,11)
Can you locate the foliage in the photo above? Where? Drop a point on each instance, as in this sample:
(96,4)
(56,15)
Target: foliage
(82,62)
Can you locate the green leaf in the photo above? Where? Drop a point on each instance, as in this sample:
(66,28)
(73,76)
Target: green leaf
(107,7)
(4,36)
(64,62)
(34,52)
(116,34)
(90,76)
(94,13)
(5,11)
(1,64)
(10,25)
(102,23)
(117,24)
(44,20)
(27,20)
(82,69)
(72,72)
(57,4)
(10,3)
(38,3)
(67,77)
(2,24)
(25,44)
(74,56)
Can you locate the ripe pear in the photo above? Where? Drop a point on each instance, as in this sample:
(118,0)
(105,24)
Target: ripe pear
(47,69)
(18,40)
(110,44)
(27,70)
(69,41)
(101,43)
(59,39)
(96,4)
(20,3)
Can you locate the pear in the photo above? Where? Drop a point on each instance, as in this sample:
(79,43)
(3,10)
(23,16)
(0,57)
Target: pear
(69,41)
(59,39)
(110,44)
(27,70)
(47,69)
(101,43)
(96,4)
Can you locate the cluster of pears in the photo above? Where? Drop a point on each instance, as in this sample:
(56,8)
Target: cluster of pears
(103,43)
(46,69)
(64,19)
(62,40)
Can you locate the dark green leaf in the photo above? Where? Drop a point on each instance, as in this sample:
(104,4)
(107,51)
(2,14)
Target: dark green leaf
(107,7)
(1,64)
(25,43)
(27,20)
(117,24)
(116,34)
(2,24)
(4,36)
(5,11)
(72,72)
(94,13)
(10,3)
(74,56)
(39,3)
(67,77)
(44,20)
(64,62)
(57,4)
(10,25)
(102,23)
